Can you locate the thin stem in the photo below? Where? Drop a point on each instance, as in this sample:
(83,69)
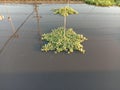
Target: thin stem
(65,22)
(68,2)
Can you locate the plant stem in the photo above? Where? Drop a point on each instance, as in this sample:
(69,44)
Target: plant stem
(68,2)
(65,22)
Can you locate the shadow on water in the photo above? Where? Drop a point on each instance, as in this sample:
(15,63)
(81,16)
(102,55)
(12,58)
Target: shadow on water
(14,35)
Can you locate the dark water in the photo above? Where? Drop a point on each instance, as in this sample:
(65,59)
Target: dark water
(61,81)
(24,67)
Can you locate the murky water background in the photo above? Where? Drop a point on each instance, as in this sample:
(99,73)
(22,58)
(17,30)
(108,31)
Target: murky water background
(24,67)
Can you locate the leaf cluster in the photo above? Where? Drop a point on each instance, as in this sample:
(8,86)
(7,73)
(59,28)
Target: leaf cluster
(57,42)
(65,11)
(117,2)
(101,2)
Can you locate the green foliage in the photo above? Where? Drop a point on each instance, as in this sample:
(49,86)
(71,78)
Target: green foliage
(65,11)
(117,2)
(69,43)
(101,2)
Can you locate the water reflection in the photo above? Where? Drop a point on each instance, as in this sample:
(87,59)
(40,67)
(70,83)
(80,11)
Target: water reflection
(14,31)
(1,17)
(10,20)
(101,29)
(36,8)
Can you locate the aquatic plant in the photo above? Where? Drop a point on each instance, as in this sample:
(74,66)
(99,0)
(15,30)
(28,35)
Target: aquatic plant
(65,11)
(101,2)
(117,2)
(56,42)
(62,39)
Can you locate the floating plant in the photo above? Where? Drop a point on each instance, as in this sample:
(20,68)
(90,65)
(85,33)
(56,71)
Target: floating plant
(63,39)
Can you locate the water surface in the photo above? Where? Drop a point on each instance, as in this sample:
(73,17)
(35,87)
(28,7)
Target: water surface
(24,67)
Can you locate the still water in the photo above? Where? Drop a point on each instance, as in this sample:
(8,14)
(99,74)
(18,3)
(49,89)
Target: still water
(24,67)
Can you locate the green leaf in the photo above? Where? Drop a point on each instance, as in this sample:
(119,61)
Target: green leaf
(58,43)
